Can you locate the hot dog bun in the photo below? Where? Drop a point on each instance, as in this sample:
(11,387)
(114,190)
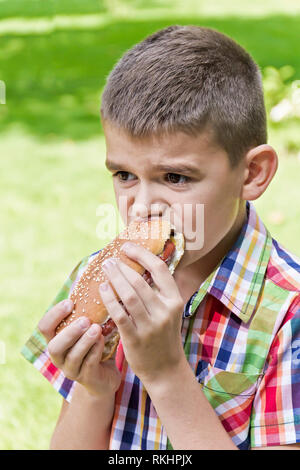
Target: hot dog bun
(87,300)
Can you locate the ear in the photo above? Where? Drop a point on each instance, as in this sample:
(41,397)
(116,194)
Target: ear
(261,164)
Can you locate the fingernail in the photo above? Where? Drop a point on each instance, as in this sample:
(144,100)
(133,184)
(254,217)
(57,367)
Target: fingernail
(67,305)
(127,246)
(108,263)
(93,330)
(104,286)
(83,322)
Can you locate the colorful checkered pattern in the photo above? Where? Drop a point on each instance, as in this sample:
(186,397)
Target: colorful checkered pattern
(241,337)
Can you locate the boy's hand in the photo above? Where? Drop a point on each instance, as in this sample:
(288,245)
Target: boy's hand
(77,350)
(151,333)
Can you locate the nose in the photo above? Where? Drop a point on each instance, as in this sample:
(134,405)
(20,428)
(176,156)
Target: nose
(146,204)
(143,212)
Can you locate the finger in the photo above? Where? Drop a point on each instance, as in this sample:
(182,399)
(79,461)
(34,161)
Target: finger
(93,357)
(158,269)
(65,339)
(126,292)
(53,317)
(157,306)
(149,298)
(122,320)
(76,354)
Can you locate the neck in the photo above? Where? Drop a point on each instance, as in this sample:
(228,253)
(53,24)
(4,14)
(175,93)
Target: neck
(189,278)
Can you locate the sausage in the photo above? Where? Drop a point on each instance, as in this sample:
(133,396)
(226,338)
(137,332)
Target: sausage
(166,256)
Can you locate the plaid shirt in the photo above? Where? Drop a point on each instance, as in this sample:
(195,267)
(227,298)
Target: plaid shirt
(241,337)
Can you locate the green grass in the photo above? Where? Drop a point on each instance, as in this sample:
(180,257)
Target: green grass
(54,80)
(50,193)
(39,8)
(52,153)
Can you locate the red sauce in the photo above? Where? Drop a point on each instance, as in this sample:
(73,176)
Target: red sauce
(168,251)
(166,256)
(108,327)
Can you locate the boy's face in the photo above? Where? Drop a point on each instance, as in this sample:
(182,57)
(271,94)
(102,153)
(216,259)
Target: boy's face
(137,166)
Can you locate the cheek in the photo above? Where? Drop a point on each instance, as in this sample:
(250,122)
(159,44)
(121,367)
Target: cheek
(123,203)
(215,214)
(190,220)
(222,199)
(219,219)
(188,217)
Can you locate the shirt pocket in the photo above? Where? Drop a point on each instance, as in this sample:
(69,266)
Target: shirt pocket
(227,390)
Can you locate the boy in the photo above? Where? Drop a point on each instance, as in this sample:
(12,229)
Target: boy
(211,360)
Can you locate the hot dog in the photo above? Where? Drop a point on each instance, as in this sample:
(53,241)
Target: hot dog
(156,235)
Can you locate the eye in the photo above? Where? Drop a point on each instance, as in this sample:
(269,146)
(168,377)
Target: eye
(122,175)
(175,177)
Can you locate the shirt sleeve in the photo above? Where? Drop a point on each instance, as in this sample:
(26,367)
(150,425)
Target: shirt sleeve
(35,349)
(275,418)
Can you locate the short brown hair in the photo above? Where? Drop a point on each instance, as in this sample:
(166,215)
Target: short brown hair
(184,78)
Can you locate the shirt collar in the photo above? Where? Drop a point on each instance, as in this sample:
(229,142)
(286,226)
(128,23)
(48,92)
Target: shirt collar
(238,278)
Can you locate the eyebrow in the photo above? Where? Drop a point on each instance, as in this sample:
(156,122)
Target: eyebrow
(182,168)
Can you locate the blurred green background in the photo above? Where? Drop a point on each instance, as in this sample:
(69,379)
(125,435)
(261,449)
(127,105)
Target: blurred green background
(54,58)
